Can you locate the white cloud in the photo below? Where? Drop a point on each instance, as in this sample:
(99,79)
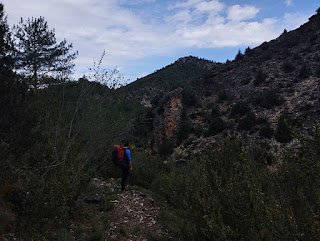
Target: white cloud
(289,3)
(183,16)
(212,6)
(228,34)
(220,25)
(238,13)
(94,26)
(136,2)
(294,20)
(184,4)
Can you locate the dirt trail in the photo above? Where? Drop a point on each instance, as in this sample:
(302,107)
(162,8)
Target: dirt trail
(134,217)
(126,215)
(107,213)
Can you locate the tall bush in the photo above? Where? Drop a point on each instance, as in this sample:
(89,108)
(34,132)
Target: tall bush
(284,130)
(260,77)
(231,194)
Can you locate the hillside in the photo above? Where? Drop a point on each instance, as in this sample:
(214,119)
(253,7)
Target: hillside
(167,79)
(276,81)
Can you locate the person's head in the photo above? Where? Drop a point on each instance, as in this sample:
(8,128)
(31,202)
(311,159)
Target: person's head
(126,143)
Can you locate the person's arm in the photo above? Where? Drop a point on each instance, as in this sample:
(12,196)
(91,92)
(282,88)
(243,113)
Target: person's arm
(129,159)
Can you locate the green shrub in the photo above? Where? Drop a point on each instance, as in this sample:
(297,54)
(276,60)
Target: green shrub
(268,99)
(299,186)
(248,121)
(166,148)
(177,221)
(239,55)
(246,81)
(265,46)
(239,109)
(185,128)
(288,67)
(189,96)
(198,130)
(155,100)
(231,194)
(144,123)
(222,96)
(248,52)
(267,55)
(304,71)
(317,71)
(160,110)
(215,111)
(222,195)
(260,77)
(266,131)
(284,130)
(5,218)
(261,154)
(147,169)
(216,126)
(95,235)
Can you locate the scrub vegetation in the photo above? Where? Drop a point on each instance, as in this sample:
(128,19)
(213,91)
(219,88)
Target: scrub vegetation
(255,178)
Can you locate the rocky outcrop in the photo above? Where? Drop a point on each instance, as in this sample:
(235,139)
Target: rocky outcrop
(94,198)
(172,116)
(168,116)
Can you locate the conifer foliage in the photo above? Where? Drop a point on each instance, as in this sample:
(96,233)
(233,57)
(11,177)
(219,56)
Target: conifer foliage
(5,40)
(37,52)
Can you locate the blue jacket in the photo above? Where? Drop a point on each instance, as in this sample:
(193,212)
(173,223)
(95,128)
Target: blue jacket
(127,157)
(128,153)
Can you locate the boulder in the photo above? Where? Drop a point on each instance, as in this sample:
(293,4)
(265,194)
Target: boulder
(94,198)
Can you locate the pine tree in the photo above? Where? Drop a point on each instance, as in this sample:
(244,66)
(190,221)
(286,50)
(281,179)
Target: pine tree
(239,55)
(38,54)
(6,44)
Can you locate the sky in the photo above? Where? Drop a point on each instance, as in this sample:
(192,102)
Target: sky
(142,36)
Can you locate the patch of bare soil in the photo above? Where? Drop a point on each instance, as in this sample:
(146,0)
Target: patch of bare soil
(134,217)
(113,214)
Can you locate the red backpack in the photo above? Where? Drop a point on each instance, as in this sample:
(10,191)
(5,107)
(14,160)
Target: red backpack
(117,155)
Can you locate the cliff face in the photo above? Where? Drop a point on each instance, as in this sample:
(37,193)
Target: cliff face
(167,118)
(172,116)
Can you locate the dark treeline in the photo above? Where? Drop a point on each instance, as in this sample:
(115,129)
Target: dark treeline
(55,134)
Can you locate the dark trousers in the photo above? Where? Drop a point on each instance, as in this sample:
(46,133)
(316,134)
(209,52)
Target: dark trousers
(125,176)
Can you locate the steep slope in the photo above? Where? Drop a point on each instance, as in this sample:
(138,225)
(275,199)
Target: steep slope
(264,95)
(168,78)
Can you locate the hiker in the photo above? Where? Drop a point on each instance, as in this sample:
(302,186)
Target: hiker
(126,166)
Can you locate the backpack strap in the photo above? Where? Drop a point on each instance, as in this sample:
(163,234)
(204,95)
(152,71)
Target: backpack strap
(125,156)
(124,153)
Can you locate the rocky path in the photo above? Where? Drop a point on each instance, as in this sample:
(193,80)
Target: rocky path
(107,213)
(134,217)
(132,214)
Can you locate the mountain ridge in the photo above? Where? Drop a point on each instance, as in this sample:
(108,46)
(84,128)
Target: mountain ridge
(277,79)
